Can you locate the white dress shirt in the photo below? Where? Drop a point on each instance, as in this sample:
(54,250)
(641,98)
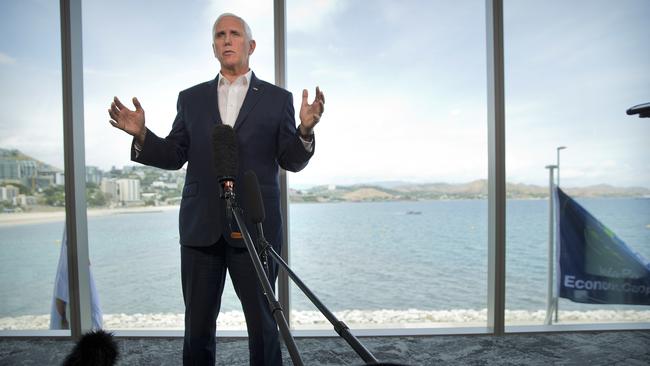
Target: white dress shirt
(231,96)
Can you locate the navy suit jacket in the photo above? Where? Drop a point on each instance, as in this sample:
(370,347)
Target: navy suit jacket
(267,139)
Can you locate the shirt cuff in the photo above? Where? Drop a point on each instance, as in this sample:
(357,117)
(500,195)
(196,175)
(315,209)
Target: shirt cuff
(137,148)
(307,144)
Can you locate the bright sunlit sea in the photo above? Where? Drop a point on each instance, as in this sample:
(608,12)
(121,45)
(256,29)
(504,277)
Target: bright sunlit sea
(427,255)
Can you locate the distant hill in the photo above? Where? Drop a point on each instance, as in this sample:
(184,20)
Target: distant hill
(368,194)
(15,154)
(434,191)
(605,190)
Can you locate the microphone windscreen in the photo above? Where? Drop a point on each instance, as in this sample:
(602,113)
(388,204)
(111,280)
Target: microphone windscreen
(224,148)
(253,204)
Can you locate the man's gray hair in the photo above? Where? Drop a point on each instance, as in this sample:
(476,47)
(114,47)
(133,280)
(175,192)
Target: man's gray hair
(247,29)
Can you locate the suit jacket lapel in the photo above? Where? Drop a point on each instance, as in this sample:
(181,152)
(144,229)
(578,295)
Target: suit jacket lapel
(213,101)
(253,95)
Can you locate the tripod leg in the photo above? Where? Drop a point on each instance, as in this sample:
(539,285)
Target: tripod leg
(340,327)
(268,291)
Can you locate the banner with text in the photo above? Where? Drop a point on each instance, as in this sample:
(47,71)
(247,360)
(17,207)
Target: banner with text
(595,266)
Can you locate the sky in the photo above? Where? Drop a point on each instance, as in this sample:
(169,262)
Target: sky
(405,83)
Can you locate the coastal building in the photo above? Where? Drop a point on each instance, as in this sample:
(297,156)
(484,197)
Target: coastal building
(164,185)
(12,169)
(94,174)
(8,193)
(24,200)
(150,197)
(47,176)
(109,187)
(16,167)
(128,190)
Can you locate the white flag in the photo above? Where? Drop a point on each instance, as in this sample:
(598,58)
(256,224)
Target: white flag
(59,315)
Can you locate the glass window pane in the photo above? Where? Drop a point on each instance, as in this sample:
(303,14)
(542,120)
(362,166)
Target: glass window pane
(31,164)
(157,50)
(388,221)
(572,70)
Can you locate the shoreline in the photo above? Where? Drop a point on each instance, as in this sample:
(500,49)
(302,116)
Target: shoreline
(368,319)
(49,214)
(41,217)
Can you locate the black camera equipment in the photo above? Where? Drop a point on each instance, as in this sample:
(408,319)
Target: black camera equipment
(643,110)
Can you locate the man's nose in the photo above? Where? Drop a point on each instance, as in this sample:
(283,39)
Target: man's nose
(228,39)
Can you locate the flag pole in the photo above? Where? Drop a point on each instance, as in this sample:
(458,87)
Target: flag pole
(550,303)
(557,149)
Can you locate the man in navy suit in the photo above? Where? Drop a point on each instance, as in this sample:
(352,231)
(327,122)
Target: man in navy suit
(262,116)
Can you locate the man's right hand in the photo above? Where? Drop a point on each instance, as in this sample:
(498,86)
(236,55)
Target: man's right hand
(132,122)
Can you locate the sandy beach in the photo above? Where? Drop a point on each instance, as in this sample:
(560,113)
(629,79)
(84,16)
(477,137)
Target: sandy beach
(27,218)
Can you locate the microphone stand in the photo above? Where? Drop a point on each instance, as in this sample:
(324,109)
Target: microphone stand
(340,327)
(262,245)
(274,304)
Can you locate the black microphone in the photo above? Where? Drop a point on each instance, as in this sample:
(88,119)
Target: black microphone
(226,161)
(254,206)
(253,198)
(643,110)
(226,157)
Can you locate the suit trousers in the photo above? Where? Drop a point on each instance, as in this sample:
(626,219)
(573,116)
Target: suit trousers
(203,273)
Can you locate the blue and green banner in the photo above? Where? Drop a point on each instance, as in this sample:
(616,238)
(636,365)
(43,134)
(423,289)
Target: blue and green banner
(594,265)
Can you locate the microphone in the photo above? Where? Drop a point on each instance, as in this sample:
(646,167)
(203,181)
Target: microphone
(226,157)
(643,110)
(226,161)
(254,206)
(253,198)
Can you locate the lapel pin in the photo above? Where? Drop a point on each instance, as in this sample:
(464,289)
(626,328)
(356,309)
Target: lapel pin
(254,88)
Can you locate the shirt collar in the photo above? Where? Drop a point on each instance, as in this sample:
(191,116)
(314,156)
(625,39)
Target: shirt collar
(244,79)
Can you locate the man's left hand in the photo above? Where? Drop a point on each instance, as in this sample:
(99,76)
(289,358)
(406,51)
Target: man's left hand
(310,114)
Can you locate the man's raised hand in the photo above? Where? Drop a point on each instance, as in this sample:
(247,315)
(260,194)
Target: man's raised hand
(310,114)
(131,122)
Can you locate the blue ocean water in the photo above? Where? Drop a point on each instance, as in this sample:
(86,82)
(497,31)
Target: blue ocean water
(427,255)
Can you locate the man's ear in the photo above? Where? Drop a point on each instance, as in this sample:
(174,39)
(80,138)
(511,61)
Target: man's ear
(252,45)
(214,50)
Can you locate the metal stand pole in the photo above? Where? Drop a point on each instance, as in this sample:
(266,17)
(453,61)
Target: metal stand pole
(550,303)
(558,149)
(276,309)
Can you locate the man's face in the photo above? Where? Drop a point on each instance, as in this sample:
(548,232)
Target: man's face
(231,46)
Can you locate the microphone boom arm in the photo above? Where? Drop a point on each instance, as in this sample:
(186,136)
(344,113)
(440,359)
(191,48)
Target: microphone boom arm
(274,304)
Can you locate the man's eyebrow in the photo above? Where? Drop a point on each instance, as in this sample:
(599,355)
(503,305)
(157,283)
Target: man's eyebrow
(223,31)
